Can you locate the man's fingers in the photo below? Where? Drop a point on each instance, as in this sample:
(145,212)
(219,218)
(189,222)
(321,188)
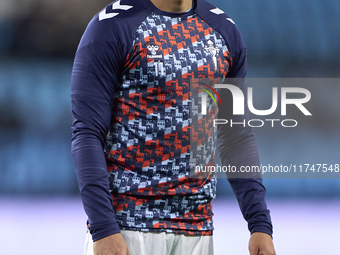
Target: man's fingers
(259,251)
(261,244)
(111,245)
(253,251)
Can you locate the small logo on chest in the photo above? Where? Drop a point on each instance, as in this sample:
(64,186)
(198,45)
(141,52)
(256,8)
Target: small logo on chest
(153,51)
(213,50)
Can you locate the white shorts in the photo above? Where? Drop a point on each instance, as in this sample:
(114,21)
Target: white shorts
(154,243)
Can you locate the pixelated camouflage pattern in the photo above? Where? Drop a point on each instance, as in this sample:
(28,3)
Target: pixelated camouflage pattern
(148,147)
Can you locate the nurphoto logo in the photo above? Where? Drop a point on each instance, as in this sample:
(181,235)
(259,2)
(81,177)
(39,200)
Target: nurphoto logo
(239,102)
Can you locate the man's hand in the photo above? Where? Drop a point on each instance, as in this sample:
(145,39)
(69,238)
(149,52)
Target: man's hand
(261,244)
(111,245)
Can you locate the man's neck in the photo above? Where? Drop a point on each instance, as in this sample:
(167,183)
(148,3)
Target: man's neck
(173,5)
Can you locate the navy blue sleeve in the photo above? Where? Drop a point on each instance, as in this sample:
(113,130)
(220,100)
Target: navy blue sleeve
(94,77)
(98,65)
(237,147)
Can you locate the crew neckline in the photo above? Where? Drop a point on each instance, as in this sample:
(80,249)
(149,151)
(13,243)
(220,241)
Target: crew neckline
(174,14)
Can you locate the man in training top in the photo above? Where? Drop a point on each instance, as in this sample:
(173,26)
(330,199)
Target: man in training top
(131,147)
